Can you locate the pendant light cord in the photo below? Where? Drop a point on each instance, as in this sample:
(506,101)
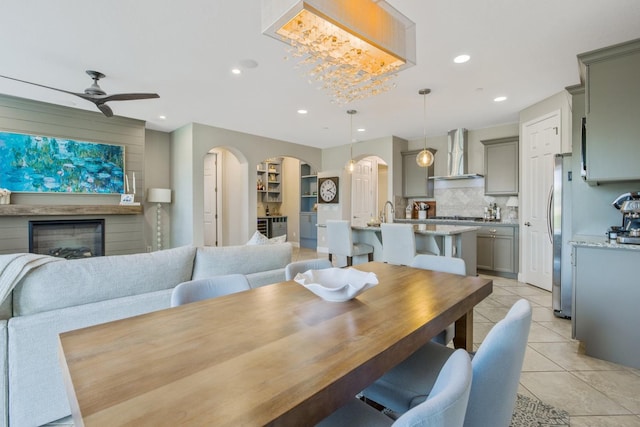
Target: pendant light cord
(424,121)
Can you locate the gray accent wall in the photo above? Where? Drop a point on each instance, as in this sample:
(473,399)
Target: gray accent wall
(123,233)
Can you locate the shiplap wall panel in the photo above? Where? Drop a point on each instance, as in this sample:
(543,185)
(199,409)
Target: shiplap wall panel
(123,233)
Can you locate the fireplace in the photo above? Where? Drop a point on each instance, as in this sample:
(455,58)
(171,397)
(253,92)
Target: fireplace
(70,239)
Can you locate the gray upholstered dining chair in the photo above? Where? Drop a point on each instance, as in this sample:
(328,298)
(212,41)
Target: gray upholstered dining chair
(496,373)
(399,243)
(197,290)
(296,267)
(340,242)
(444,264)
(445,407)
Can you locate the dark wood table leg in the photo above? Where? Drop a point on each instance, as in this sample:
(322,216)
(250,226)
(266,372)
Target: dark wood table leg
(464,332)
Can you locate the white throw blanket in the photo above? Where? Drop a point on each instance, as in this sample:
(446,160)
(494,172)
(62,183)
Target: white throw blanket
(15,266)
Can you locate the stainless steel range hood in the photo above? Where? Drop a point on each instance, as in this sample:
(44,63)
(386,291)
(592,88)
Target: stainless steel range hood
(457,157)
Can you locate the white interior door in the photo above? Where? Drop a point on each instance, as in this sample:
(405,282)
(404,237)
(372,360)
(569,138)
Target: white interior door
(363,200)
(541,141)
(211,199)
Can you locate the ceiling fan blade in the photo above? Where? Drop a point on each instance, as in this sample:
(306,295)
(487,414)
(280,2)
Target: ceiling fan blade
(81,95)
(95,94)
(129,96)
(105,109)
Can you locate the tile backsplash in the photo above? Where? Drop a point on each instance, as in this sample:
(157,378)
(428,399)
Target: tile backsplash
(466,198)
(463,197)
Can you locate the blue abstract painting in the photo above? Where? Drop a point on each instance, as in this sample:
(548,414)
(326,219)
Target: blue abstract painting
(41,164)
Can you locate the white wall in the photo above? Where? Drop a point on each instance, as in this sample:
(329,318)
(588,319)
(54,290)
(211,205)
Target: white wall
(290,205)
(189,146)
(182,184)
(233,232)
(157,175)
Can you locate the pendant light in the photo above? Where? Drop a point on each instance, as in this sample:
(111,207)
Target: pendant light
(424,159)
(351,165)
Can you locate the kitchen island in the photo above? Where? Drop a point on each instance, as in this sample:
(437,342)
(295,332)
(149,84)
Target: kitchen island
(498,242)
(442,239)
(605,315)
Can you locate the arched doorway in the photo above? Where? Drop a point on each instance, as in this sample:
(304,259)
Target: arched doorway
(224,204)
(286,187)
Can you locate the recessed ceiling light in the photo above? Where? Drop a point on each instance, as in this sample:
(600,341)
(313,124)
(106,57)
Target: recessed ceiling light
(500,99)
(460,59)
(162,117)
(236,71)
(361,129)
(302,111)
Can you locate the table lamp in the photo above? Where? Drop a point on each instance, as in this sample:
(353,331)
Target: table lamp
(512,204)
(159,196)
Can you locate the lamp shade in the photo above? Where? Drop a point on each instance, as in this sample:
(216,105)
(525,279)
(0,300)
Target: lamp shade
(159,195)
(512,202)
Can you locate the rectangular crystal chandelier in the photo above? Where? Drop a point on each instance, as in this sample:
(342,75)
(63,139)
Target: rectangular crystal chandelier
(352,48)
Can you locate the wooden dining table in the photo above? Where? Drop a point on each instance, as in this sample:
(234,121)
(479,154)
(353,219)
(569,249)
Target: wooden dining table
(274,355)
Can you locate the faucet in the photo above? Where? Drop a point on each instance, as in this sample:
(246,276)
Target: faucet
(384,211)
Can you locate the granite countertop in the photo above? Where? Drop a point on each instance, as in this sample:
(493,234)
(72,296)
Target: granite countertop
(430,229)
(272,216)
(600,242)
(505,223)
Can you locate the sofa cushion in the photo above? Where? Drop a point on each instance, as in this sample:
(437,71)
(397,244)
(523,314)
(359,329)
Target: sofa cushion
(36,388)
(218,260)
(260,239)
(96,279)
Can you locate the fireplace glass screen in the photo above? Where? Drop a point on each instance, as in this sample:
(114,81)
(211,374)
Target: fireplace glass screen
(70,239)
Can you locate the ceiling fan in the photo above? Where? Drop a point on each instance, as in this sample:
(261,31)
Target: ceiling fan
(95,94)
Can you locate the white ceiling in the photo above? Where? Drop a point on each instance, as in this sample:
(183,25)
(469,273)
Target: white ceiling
(184,50)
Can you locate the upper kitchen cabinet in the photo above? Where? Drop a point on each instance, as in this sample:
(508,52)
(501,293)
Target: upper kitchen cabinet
(612,99)
(415,179)
(501,166)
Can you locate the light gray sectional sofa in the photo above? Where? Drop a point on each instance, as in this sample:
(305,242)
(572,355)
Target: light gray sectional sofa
(64,295)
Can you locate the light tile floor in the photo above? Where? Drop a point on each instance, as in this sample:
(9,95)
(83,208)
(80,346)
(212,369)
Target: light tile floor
(594,392)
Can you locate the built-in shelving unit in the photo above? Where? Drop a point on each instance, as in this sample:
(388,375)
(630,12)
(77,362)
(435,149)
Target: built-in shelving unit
(269,181)
(308,202)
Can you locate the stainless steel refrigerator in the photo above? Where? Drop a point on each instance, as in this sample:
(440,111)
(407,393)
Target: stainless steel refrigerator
(560,223)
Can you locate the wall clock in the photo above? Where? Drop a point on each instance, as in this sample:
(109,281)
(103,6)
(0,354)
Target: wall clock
(328,190)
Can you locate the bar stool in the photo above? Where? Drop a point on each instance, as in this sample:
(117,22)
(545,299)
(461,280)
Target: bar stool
(399,244)
(340,242)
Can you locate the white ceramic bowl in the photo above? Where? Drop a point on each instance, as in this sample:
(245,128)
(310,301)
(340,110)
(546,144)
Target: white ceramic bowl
(337,284)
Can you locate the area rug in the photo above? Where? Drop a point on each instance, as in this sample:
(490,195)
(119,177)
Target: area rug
(531,412)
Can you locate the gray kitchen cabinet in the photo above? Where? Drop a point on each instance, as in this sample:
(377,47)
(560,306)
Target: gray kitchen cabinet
(605,315)
(612,102)
(308,230)
(272,226)
(415,179)
(501,166)
(497,250)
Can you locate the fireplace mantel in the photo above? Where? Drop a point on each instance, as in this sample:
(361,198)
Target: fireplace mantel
(49,210)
